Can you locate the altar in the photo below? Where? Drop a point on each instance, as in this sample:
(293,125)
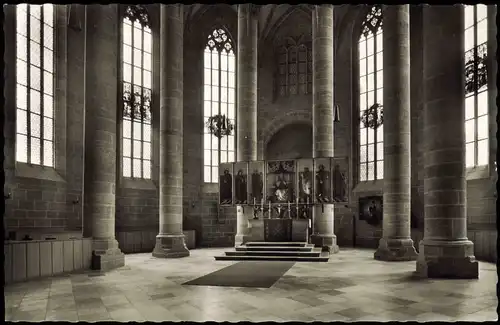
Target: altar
(279,230)
(284,195)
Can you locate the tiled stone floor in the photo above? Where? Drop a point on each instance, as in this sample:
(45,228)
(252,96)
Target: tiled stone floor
(352,286)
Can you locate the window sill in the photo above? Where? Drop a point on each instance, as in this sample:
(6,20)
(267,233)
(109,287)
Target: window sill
(478,172)
(38,172)
(138,184)
(369,186)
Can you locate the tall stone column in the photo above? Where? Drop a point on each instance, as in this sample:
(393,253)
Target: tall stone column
(445,250)
(101,86)
(246,133)
(170,239)
(396,243)
(322,34)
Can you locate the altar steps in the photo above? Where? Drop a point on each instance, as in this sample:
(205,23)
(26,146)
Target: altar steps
(273,248)
(275,251)
(278,243)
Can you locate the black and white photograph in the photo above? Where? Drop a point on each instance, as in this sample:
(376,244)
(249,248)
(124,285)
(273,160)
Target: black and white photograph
(241,183)
(323,180)
(226,183)
(281,181)
(256,182)
(228,162)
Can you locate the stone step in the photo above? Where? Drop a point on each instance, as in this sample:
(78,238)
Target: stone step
(276,243)
(273,258)
(275,248)
(273,253)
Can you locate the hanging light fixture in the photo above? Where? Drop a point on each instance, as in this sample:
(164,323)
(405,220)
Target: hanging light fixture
(373,117)
(220,125)
(336,114)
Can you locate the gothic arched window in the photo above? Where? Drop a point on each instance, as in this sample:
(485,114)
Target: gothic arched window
(136,91)
(370,50)
(219,98)
(476,92)
(294,69)
(35,84)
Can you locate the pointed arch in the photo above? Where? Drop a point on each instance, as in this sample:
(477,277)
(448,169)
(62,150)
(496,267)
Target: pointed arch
(219,97)
(138,13)
(370,54)
(136,85)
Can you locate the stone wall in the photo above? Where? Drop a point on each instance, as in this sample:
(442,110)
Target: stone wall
(291,142)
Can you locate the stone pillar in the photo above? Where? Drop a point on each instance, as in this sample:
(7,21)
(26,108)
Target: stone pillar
(396,243)
(101,86)
(445,250)
(170,239)
(322,34)
(246,132)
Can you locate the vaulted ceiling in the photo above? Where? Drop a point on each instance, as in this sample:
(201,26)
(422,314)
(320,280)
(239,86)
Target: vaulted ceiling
(270,16)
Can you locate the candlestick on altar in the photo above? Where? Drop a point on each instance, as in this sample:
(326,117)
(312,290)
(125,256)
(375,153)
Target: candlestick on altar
(307,201)
(253,201)
(269,209)
(262,204)
(289,211)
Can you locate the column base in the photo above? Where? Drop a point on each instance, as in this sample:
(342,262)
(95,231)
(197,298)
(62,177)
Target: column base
(447,259)
(328,243)
(241,239)
(106,255)
(170,246)
(395,250)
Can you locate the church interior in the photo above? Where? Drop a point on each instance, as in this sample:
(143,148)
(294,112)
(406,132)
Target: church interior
(217,162)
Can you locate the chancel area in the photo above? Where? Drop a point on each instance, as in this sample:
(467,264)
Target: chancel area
(170,162)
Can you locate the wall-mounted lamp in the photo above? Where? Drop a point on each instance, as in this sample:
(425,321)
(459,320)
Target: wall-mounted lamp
(7,196)
(76,201)
(336,114)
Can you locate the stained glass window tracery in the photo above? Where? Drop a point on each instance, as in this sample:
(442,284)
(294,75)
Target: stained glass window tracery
(476,86)
(370,51)
(136,93)
(219,98)
(294,69)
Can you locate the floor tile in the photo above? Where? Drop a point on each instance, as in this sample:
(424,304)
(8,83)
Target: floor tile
(351,286)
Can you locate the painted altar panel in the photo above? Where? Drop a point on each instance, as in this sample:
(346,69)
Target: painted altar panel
(256,188)
(226,183)
(340,180)
(305,180)
(371,209)
(241,183)
(280,181)
(322,180)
